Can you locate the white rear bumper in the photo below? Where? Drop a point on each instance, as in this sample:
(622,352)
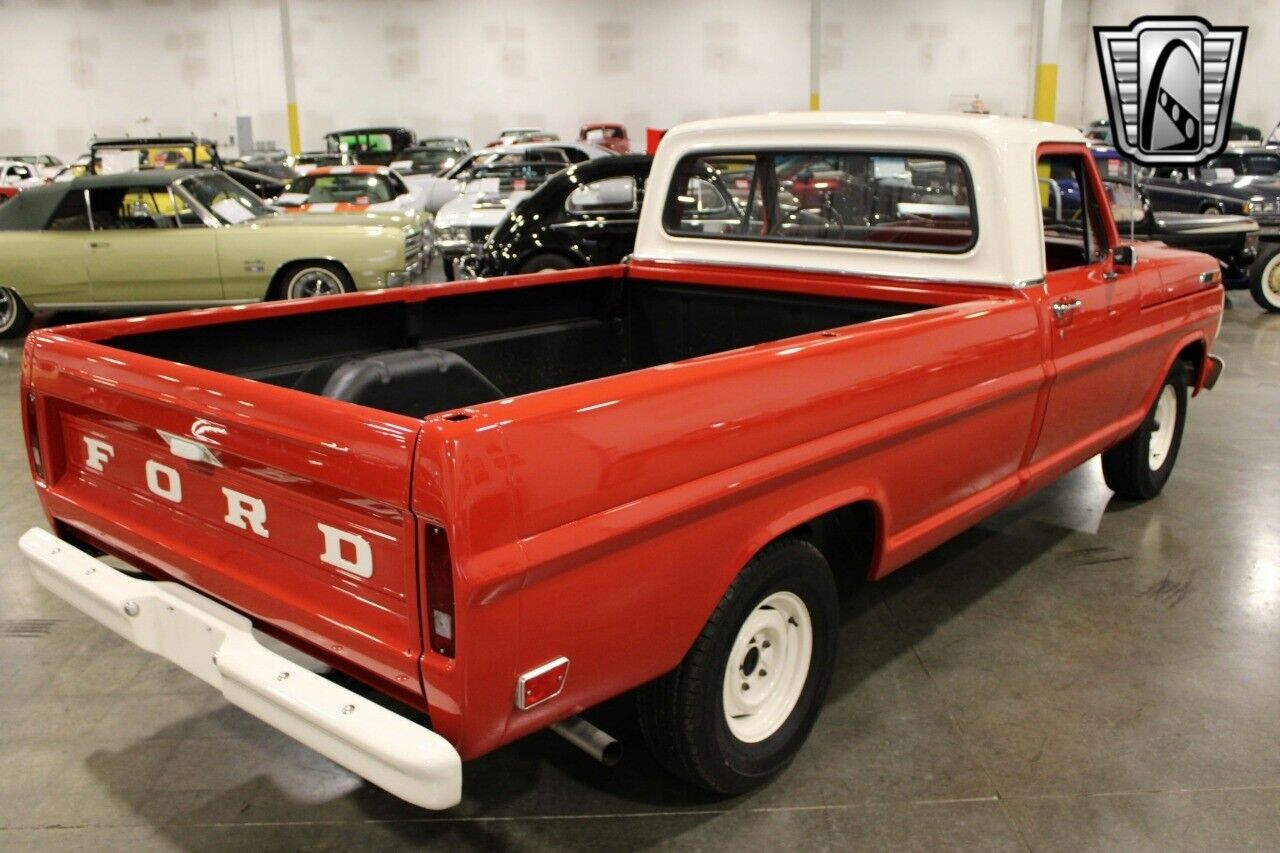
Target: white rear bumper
(216,644)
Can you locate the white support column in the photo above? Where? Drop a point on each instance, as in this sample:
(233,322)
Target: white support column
(1044,105)
(815,54)
(290,89)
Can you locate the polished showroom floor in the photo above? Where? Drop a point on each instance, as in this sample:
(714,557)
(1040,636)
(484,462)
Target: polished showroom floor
(1076,673)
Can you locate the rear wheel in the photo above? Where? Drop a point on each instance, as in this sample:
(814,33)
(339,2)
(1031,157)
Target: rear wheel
(743,700)
(316,278)
(546,263)
(1210,210)
(1264,280)
(1138,467)
(15,316)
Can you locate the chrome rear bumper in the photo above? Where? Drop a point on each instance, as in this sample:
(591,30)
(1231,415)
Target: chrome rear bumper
(216,645)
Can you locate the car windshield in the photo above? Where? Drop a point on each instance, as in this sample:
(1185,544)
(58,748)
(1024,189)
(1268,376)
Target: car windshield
(440,156)
(507,177)
(361,142)
(224,198)
(23,158)
(340,189)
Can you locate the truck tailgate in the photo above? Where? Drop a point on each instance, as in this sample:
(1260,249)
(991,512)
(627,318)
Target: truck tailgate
(290,508)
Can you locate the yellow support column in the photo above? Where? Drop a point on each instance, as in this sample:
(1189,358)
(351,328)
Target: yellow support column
(295,133)
(1045,107)
(1044,97)
(290,90)
(815,53)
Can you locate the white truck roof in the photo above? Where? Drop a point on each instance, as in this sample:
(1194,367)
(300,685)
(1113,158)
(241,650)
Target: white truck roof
(999,152)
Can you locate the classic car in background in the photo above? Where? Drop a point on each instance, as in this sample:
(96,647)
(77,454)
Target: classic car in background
(486,196)
(432,156)
(517,135)
(607,135)
(127,153)
(18,176)
(308,160)
(351,189)
(371,146)
(583,216)
(444,188)
(161,239)
(46,165)
(271,167)
(263,186)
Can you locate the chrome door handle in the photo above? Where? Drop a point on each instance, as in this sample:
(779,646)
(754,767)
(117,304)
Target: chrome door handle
(1064,309)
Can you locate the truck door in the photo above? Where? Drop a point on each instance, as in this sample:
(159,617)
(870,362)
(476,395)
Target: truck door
(1089,308)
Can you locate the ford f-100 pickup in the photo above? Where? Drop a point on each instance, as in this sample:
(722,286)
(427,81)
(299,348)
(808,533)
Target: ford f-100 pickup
(842,339)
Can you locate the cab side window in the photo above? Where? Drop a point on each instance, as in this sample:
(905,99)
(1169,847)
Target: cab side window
(1070,210)
(605,196)
(72,213)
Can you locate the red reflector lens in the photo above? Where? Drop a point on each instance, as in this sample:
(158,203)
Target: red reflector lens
(540,684)
(439,574)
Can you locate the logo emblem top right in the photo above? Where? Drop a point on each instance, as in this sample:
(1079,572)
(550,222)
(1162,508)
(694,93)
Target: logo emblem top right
(1171,85)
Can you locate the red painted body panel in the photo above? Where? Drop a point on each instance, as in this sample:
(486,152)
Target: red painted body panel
(602,521)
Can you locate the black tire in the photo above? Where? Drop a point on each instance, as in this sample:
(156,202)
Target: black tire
(1264,279)
(15,316)
(683,714)
(1128,467)
(546,262)
(307,279)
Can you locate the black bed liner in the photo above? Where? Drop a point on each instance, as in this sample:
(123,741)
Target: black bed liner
(456,350)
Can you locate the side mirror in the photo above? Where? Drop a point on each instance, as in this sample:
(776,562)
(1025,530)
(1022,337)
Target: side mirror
(1123,258)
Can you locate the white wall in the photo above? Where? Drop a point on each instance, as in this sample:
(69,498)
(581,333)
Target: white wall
(72,68)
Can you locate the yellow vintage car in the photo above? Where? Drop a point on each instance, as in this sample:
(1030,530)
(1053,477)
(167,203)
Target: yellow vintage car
(163,239)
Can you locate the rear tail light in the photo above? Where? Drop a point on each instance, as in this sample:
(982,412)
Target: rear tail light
(439,572)
(33,436)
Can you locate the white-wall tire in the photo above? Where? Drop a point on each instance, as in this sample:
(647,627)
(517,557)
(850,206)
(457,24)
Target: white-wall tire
(315,279)
(1264,280)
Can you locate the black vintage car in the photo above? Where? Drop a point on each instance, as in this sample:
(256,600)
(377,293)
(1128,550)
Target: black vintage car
(431,156)
(371,146)
(583,216)
(1241,181)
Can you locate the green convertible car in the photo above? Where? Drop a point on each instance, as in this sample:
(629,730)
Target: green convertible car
(157,240)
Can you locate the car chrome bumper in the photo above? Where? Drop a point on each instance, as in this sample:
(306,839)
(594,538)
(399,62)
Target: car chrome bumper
(216,645)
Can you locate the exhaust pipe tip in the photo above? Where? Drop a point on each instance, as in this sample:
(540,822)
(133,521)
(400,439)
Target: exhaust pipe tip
(598,744)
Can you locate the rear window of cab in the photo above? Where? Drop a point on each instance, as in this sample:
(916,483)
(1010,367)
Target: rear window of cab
(871,200)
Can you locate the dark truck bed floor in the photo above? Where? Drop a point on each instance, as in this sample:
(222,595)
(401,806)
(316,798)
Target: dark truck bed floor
(417,358)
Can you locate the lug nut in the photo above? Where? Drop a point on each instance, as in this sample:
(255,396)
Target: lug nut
(131,608)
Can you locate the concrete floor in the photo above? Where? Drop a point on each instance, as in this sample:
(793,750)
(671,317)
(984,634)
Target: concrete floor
(1074,674)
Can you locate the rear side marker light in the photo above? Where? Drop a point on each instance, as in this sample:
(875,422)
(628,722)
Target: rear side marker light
(538,685)
(33,437)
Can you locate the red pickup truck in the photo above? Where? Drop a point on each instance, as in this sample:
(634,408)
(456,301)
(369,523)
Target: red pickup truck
(501,502)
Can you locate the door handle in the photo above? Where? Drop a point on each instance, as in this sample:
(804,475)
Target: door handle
(98,245)
(1062,310)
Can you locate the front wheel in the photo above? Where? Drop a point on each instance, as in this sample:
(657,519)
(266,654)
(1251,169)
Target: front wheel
(1138,467)
(739,706)
(546,262)
(1264,280)
(15,316)
(316,279)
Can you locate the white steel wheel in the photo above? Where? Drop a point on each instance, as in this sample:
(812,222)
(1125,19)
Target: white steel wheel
(767,667)
(1211,211)
(1166,421)
(314,281)
(15,317)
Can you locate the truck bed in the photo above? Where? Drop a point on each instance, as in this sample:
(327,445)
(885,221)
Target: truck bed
(419,358)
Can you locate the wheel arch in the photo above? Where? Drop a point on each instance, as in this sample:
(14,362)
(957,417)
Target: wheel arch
(560,251)
(277,278)
(848,527)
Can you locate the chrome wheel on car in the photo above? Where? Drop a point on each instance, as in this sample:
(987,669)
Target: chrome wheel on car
(767,667)
(314,281)
(15,317)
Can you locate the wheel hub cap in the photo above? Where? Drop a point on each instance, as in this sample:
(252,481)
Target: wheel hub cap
(767,667)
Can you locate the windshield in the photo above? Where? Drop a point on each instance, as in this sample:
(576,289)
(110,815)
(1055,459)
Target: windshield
(224,198)
(360,142)
(340,189)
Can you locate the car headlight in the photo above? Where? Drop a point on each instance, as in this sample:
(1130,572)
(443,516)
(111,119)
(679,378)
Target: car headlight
(452,233)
